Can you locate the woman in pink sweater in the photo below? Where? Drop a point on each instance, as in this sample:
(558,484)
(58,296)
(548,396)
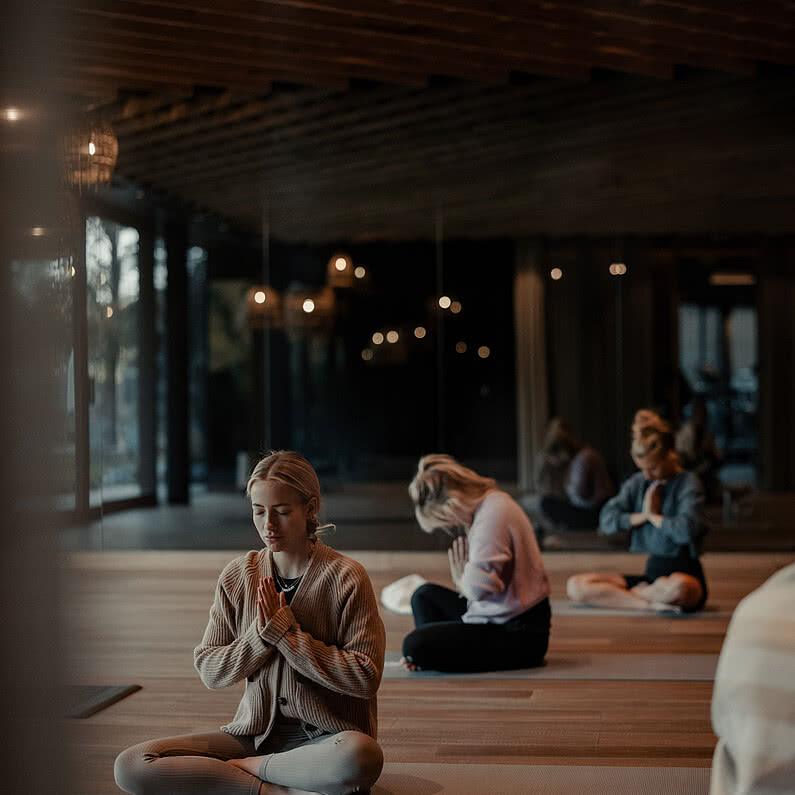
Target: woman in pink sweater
(299,624)
(498,617)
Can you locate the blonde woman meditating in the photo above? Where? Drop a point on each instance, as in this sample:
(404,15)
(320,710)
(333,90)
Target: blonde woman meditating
(298,623)
(498,617)
(662,507)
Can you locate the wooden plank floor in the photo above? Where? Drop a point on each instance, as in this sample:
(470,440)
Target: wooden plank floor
(134,617)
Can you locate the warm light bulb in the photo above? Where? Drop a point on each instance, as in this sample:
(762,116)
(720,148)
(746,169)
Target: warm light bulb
(360,272)
(109,311)
(308,306)
(259,297)
(367,354)
(460,347)
(419,332)
(556,273)
(456,307)
(37,231)
(392,336)
(378,338)
(91,148)
(445,302)
(74,272)
(618,269)
(483,352)
(12,114)
(340,264)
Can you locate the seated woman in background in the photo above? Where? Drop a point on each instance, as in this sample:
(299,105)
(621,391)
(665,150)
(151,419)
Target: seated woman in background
(498,617)
(587,483)
(698,450)
(662,507)
(298,623)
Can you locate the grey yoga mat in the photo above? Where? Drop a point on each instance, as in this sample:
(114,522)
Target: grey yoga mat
(565,607)
(619,667)
(404,778)
(82,701)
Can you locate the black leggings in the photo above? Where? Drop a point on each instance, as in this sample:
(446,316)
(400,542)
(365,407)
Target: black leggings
(443,642)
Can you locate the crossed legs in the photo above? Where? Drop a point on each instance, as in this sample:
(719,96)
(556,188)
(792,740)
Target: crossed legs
(676,591)
(216,763)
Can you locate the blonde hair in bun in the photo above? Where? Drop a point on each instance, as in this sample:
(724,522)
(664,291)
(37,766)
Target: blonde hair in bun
(652,436)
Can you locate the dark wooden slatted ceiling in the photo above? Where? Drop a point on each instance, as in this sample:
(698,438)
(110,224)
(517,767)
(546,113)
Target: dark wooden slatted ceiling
(362,119)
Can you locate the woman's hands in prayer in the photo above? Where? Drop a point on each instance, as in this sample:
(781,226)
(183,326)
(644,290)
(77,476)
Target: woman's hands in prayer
(651,510)
(457,555)
(269,600)
(652,499)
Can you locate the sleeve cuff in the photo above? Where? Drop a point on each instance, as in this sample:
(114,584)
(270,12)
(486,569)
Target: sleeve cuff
(276,628)
(625,521)
(252,638)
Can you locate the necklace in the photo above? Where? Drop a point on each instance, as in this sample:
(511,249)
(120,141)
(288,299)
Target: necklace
(290,584)
(283,583)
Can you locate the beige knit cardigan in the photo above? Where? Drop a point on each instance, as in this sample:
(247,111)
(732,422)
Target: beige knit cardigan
(319,660)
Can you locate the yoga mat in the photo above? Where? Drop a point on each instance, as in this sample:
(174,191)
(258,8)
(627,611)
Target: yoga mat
(82,701)
(618,667)
(405,778)
(565,607)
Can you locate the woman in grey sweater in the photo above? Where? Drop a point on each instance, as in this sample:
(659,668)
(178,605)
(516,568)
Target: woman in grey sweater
(661,506)
(298,623)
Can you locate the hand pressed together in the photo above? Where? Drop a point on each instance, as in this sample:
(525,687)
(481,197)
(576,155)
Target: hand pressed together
(652,499)
(458,554)
(269,600)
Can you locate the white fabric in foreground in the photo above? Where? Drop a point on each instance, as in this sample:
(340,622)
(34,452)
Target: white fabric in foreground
(397,595)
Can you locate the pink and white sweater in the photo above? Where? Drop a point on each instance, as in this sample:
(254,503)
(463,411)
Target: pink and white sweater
(504,575)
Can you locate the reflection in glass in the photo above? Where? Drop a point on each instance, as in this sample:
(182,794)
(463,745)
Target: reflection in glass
(42,294)
(113,286)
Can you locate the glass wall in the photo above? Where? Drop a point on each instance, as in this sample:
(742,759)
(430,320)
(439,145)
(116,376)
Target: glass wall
(719,365)
(197,365)
(373,356)
(41,285)
(113,287)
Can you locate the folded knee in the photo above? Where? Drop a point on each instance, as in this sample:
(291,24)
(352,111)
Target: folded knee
(421,596)
(128,769)
(361,760)
(682,589)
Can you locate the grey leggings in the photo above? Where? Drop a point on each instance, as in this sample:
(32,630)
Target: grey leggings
(195,764)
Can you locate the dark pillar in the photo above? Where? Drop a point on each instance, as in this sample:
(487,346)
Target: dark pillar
(532,375)
(776,298)
(177,347)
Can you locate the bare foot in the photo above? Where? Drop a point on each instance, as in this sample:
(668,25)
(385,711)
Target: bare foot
(657,597)
(408,665)
(664,607)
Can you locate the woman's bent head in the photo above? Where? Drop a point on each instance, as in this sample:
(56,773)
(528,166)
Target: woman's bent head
(292,470)
(445,493)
